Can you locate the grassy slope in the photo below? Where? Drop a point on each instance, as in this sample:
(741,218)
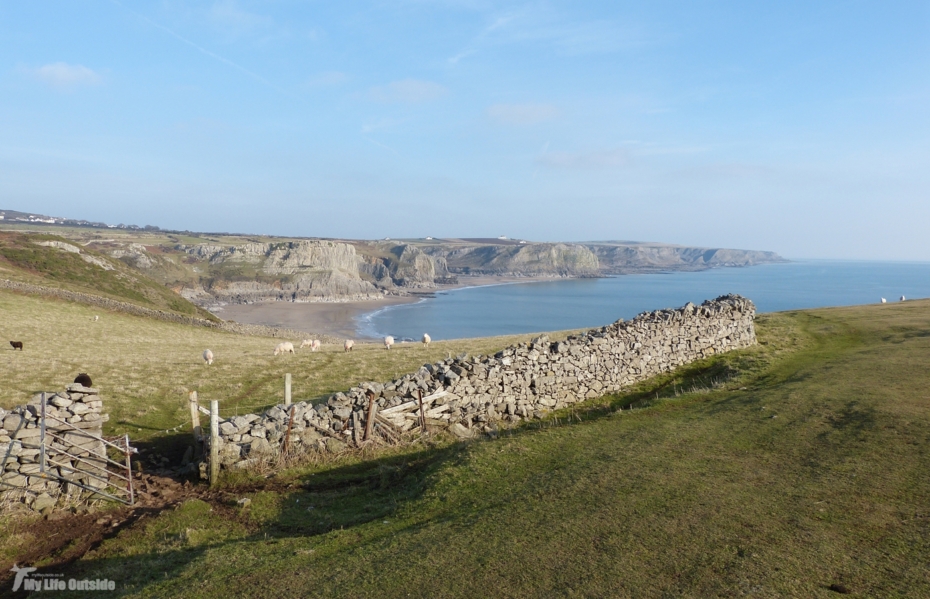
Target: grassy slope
(145,368)
(21,259)
(807,469)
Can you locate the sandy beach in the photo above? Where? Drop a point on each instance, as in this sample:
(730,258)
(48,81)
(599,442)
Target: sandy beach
(340,318)
(327,318)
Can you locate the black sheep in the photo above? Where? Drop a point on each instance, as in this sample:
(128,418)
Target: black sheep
(83,379)
(17,345)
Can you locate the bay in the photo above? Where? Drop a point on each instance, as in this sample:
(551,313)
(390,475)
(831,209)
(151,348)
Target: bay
(586,303)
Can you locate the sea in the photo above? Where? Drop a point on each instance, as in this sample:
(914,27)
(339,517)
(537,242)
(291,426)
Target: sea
(562,304)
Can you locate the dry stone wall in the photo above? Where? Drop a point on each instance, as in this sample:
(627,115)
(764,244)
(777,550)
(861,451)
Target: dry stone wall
(476,394)
(20,434)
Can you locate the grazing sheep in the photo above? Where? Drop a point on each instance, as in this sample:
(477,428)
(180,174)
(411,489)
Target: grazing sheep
(96,318)
(208,356)
(284,348)
(315,345)
(902,298)
(426,340)
(17,345)
(83,379)
(388,342)
(884,301)
(349,344)
(306,343)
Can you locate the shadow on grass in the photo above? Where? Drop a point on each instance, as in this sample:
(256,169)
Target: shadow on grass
(310,505)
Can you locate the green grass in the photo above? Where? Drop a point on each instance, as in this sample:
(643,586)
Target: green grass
(772,472)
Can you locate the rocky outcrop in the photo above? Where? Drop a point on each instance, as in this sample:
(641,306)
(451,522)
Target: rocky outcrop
(634,258)
(529,260)
(414,268)
(135,255)
(474,395)
(290,271)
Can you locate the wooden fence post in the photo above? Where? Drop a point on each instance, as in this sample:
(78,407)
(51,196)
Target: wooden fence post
(214,441)
(195,424)
(372,410)
(287,389)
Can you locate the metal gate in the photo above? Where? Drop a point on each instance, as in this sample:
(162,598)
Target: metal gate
(73,455)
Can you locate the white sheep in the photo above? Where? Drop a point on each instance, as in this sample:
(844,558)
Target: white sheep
(283,348)
(426,339)
(902,298)
(315,345)
(208,356)
(306,343)
(349,344)
(884,301)
(388,342)
(96,318)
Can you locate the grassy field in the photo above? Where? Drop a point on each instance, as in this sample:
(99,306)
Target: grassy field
(770,472)
(144,368)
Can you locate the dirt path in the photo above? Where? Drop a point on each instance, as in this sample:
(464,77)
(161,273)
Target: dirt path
(63,537)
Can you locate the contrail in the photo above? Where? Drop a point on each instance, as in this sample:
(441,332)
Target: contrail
(201,49)
(378,143)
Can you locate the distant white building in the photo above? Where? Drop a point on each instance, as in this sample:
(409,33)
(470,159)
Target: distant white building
(502,237)
(429,239)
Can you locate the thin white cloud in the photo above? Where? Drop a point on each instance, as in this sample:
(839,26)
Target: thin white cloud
(595,160)
(522,114)
(64,75)
(407,91)
(539,25)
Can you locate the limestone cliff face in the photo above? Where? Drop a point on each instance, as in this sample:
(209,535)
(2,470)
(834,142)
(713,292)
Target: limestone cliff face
(288,271)
(414,268)
(531,260)
(404,266)
(620,259)
(324,270)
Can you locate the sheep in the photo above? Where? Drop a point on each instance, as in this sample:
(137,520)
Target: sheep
(388,342)
(884,301)
(306,343)
(349,344)
(96,318)
(83,379)
(283,348)
(315,345)
(208,356)
(902,298)
(17,345)
(426,340)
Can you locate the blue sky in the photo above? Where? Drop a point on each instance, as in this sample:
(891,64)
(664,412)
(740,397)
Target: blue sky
(798,127)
